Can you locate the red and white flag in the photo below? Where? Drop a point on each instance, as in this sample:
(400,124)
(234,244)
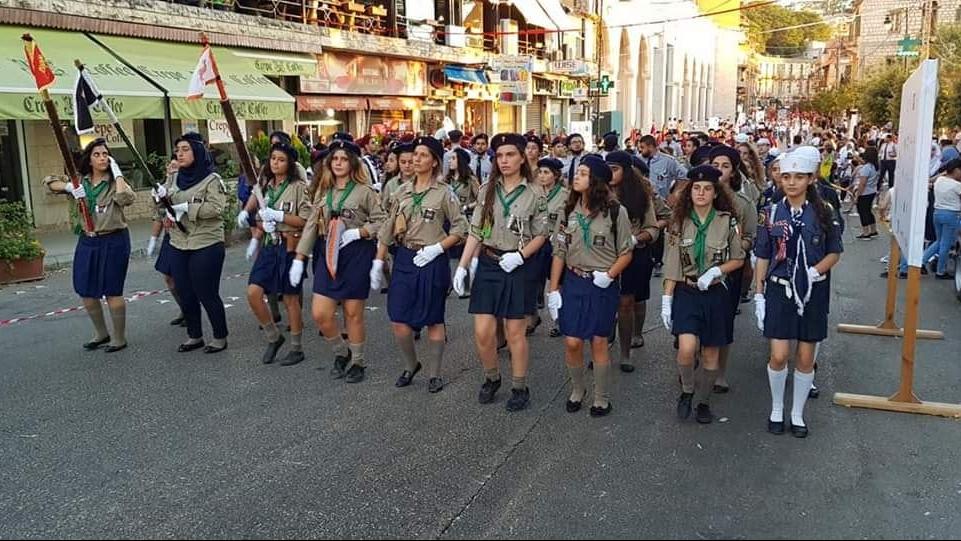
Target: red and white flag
(203,76)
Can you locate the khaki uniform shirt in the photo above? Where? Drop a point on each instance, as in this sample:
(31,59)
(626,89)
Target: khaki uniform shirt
(361,210)
(554,204)
(647,224)
(294,200)
(425,225)
(388,190)
(466,192)
(661,210)
(523,220)
(108,213)
(601,248)
(747,220)
(723,244)
(204,218)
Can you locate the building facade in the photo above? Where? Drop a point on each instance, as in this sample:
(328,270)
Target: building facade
(881,27)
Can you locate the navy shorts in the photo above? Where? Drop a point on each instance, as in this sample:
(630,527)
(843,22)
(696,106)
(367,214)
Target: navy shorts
(100,265)
(782,322)
(164,265)
(587,311)
(701,313)
(272,268)
(418,295)
(636,278)
(353,270)
(497,293)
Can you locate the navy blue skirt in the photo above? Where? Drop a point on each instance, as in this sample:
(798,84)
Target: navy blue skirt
(456,252)
(497,293)
(701,313)
(164,265)
(782,322)
(353,270)
(100,265)
(636,278)
(587,311)
(272,268)
(418,295)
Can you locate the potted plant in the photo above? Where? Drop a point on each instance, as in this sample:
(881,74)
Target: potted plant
(21,256)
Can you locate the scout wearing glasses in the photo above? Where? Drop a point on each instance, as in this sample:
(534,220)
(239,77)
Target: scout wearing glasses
(553,198)
(101,256)
(703,245)
(592,247)
(509,228)
(796,248)
(344,205)
(421,275)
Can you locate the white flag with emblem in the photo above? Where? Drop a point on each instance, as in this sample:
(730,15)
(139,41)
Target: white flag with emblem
(203,76)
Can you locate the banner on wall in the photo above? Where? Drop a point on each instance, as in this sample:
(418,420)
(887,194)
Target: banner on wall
(343,73)
(514,78)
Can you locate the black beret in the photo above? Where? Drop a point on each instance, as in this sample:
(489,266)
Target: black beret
(551,163)
(318,155)
(613,134)
(731,154)
(289,150)
(402,148)
(514,139)
(707,173)
(344,144)
(531,138)
(701,155)
(597,165)
(342,136)
(637,162)
(283,136)
(436,147)
(619,157)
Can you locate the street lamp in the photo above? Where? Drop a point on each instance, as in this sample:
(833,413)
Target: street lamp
(888,23)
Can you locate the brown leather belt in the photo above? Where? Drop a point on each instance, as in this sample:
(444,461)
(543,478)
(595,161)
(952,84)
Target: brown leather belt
(94,234)
(493,253)
(689,284)
(580,272)
(412,246)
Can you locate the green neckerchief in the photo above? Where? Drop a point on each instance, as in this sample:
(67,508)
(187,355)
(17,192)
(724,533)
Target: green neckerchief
(458,184)
(418,200)
(585,224)
(554,191)
(343,197)
(93,192)
(273,194)
(700,240)
(506,202)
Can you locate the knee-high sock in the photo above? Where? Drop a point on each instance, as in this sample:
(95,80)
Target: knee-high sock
(338,345)
(357,354)
(687,377)
(271,332)
(802,386)
(95,311)
(296,343)
(578,389)
(778,380)
(704,385)
(435,355)
(602,375)
(625,333)
(408,352)
(118,316)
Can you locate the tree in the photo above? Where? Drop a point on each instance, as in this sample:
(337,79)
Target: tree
(789,42)
(880,96)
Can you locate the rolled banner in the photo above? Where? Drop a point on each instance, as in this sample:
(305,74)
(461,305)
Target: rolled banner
(335,229)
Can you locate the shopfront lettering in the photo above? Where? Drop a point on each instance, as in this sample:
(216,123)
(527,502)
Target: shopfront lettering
(22,65)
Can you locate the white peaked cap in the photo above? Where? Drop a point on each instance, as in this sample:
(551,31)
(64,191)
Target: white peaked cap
(741,138)
(764,141)
(801,160)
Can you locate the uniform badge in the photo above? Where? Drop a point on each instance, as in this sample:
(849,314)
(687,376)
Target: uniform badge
(600,240)
(514,224)
(348,214)
(429,214)
(552,217)
(287,207)
(816,240)
(687,243)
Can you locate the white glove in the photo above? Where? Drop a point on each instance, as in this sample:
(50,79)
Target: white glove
(460,281)
(269,226)
(180,209)
(151,245)
(78,192)
(427,254)
(473,269)
(511,261)
(377,275)
(252,248)
(753,260)
(759,309)
(158,193)
(711,274)
(242,219)
(115,168)
(271,215)
(814,275)
(296,273)
(349,236)
(377,186)
(666,303)
(554,304)
(602,279)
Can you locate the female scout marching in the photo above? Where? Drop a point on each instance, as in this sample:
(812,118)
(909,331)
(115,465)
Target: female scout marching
(405,171)
(796,249)
(509,228)
(341,199)
(637,197)
(554,197)
(532,151)
(465,186)
(282,220)
(703,245)
(592,247)
(421,274)
(198,197)
(101,256)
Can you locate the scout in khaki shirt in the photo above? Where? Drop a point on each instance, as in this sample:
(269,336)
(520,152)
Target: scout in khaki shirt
(101,256)
(282,218)
(421,276)
(703,245)
(553,196)
(464,185)
(345,207)
(508,227)
(198,197)
(405,172)
(592,247)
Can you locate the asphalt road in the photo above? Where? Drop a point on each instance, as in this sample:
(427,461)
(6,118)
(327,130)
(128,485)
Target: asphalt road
(152,443)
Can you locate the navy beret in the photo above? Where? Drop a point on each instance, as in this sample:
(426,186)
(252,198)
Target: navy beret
(619,157)
(342,136)
(640,165)
(701,155)
(551,163)
(436,147)
(290,151)
(731,154)
(344,144)
(707,173)
(514,139)
(402,148)
(599,168)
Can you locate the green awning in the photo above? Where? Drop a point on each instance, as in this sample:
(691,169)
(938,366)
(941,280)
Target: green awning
(171,65)
(128,93)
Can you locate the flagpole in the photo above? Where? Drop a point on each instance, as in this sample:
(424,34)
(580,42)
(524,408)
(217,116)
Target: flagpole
(68,160)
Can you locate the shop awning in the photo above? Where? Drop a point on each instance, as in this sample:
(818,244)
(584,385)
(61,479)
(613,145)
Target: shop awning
(278,64)
(469,76)
(558,16)
(547,14)
(337,103)
(128,93)
(393,104)
(171,65)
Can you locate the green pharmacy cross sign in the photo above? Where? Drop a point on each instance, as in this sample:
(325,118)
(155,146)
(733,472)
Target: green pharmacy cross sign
(909,47)
(604,85)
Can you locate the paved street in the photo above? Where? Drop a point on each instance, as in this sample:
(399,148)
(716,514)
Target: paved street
(152,443)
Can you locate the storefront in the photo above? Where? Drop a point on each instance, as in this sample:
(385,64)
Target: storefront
(466,97)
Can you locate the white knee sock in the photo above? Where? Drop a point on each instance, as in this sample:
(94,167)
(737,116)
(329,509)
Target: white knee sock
(777,379)
(802,385)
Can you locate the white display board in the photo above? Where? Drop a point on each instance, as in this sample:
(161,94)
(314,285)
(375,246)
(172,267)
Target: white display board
(916,127)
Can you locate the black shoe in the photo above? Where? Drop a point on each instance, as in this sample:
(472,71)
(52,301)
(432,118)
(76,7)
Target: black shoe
(519,399)
(339,369)
(776,428)
(684,405)
(601,412)
(533,328)
(114,349)
(355,374)
(814,392)
(799,431)
(943,277)
(555,332)
(435,385)
(721,389)
(184,348)
(214,349)
(574,407)
(488,391)
(407,377)
(924,271)
(417,335)
(272,349)
(292,358)
(627,368)
(873,234)
(178,321)
(704,415)
(901,275)
(94,344)
(590,365)
(637,342)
